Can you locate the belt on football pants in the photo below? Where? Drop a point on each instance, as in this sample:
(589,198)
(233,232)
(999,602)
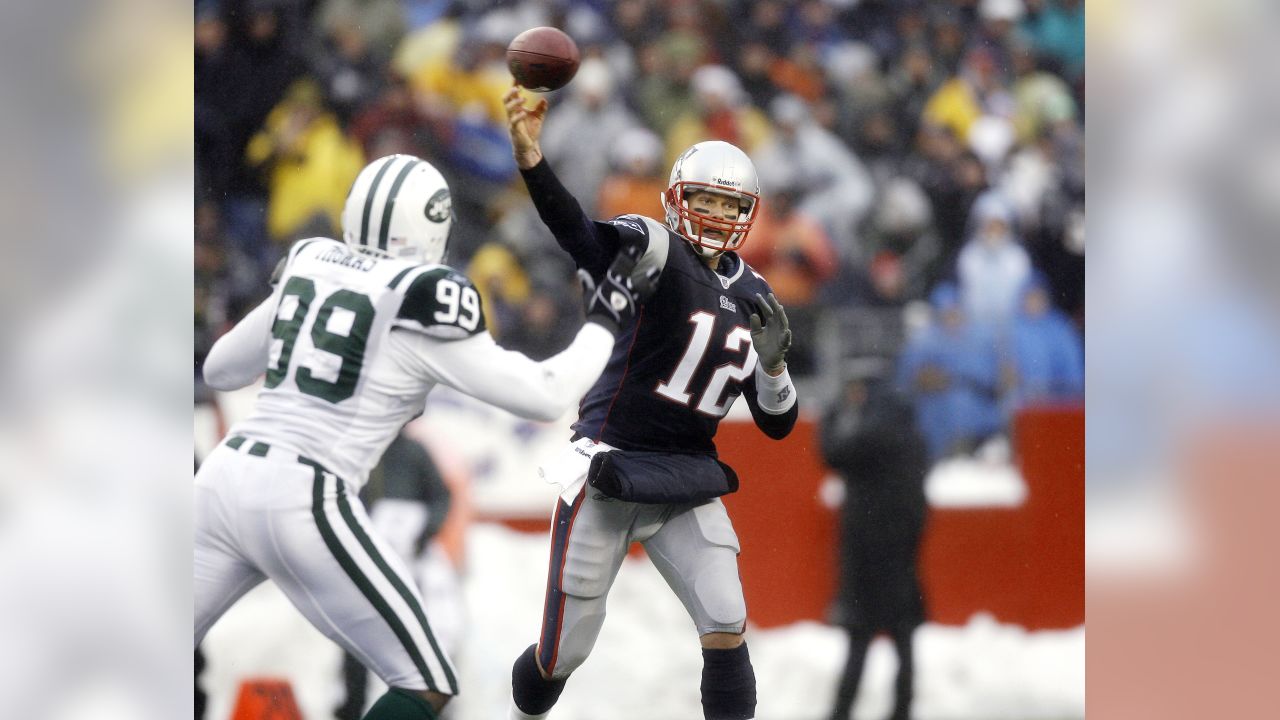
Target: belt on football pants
(261,449)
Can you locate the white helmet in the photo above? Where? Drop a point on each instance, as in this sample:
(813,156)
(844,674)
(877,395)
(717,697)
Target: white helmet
(718,167)
(399,207)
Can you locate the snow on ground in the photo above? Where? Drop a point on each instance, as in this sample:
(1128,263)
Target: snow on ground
(647,662)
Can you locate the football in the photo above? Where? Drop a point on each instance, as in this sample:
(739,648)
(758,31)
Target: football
(543,59)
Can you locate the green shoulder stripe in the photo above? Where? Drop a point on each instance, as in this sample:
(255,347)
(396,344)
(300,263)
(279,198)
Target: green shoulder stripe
(443,303)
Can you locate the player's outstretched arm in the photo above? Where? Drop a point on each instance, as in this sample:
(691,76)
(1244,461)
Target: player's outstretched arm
(590,244)
(545,390)
(525,127)
(241,355)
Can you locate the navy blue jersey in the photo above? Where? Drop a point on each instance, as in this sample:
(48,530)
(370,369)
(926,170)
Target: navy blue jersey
(686,356)
(684,359)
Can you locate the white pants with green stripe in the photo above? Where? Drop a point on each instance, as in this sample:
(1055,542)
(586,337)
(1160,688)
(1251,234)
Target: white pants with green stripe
(262,513)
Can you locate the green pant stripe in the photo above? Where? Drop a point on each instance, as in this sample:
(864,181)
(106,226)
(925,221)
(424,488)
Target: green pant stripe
(235,442)
(391,202)
(358,577)
(344,505)
(259,449)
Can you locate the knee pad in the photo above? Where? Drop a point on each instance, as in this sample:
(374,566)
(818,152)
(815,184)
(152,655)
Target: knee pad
(728,684)
(533,694)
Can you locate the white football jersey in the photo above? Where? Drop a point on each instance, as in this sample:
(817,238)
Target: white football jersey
(337,389)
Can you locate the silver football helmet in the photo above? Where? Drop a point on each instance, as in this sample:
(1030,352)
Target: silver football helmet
(718,167)
(399,207)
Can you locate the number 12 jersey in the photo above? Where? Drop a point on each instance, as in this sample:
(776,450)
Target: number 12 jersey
(679,367)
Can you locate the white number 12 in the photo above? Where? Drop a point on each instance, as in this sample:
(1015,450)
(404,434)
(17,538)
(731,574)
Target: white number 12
(677,388)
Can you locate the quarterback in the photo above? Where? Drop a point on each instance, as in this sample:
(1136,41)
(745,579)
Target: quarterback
(642,466)
(353,337)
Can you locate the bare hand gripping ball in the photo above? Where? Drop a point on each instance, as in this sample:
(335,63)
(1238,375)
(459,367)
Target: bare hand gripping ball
(543,59)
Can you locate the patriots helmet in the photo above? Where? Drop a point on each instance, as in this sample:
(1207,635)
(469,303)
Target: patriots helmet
(717,167)
(399,207)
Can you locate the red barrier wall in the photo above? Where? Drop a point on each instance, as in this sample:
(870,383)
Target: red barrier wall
(1023,565)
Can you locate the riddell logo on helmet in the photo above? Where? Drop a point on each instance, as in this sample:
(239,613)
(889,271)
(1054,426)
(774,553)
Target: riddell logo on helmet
(722,181)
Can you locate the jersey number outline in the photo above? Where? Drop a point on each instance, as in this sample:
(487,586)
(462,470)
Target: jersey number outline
(462,305)
(348,347)
(676,388)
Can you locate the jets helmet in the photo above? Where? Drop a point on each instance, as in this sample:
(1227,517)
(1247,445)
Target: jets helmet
(399,207)
(718,167)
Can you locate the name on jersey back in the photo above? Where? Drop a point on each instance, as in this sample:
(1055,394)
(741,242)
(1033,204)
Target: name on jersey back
(345,258)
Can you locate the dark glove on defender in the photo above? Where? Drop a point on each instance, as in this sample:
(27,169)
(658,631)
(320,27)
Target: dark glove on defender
(770,333)
(613,303)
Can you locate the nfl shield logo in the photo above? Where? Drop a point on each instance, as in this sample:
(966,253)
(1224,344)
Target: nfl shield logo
(724,281)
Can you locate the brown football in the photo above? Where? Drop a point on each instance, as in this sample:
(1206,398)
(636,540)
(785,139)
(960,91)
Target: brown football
(543,59)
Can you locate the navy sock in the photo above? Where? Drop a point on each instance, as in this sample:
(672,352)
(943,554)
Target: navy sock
(532,693)
(728,684)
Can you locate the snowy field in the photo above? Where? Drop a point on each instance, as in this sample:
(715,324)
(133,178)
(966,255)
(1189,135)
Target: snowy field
(647,663)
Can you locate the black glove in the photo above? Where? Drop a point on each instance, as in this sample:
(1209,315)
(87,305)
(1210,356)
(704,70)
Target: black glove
(770,333)
(613,303)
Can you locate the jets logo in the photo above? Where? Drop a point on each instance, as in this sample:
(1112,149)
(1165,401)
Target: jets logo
(439,207)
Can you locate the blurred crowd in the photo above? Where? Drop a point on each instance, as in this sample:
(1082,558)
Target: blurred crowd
(922,164)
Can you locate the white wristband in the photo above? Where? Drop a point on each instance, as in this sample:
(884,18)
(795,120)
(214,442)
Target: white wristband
(775,395)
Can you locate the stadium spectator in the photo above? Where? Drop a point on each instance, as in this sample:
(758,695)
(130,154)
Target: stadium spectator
(834,187)
(754,64)
(394,123)
(638,180)
(502,283)
(952,178)
(993,267)
(976,90)
(951,373)
(722,112)
(308,162)
(585,127)
(663,93)
(792,250)
(853,74)
(1044,355)
(998,22)
(1057,30)
(350,74)
(1041,99)
(795,253)
(378,25)
(869,437)
(902,242)
(912,82)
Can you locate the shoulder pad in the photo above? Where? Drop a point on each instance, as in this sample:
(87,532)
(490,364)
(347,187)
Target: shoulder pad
(442,303)
(657,247)
(633,222)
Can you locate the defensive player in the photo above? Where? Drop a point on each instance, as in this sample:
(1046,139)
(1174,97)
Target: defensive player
(351,340)
(642,466)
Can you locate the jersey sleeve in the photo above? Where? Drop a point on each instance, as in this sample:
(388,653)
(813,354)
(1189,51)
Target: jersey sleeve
(478,367)
(441,303)
(242,353)
(591,244)
(647,232)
